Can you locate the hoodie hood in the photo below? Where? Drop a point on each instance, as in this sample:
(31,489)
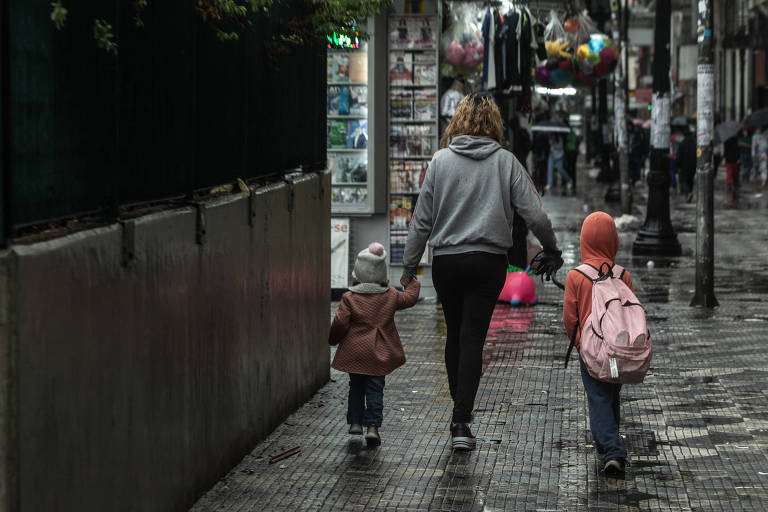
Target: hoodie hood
(599,239)
(477,148)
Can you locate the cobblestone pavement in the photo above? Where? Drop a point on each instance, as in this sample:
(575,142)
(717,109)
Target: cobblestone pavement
(696,430)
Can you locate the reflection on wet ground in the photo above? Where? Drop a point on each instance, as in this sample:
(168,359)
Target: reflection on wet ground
(696,430)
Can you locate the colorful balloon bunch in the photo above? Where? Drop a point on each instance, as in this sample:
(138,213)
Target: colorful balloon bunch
(597,57)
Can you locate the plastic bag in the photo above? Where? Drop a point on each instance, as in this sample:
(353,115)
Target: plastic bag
(462,41)
(596,53)
(558,70)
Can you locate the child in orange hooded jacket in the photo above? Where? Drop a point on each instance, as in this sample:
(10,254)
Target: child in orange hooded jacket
(599,244)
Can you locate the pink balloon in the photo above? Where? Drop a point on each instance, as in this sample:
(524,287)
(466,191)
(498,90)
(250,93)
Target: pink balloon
(454,54)
(519,289)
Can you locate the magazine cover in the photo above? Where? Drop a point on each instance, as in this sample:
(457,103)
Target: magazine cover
(357,134)
(351,168)
(398,147)
(401,104)
(399,32)
(400,212)
(422,31)
(341,67)
(338,100)
(425,74)
(400,68)
(358,67)
(331,163)
(425,105)
(329,68)
(358,100)
(337,134)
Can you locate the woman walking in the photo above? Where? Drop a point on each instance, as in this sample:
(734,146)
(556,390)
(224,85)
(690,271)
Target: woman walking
(466,210)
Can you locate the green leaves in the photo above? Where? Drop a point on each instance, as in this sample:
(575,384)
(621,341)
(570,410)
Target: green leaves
(58,14)
(105,39)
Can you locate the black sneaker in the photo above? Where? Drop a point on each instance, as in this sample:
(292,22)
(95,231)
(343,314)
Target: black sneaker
(614,468)
(372,437)
(462,438)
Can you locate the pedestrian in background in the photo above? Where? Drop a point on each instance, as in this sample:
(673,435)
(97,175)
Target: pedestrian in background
(555,162)
(686,164)
(466,210)
(760,154)
(731,155)
(745,154)
(599,243)
(369,345)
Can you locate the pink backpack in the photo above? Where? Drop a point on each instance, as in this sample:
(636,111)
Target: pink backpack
(615,342)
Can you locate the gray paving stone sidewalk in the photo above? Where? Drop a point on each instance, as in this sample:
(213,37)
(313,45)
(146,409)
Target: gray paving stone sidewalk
(696,430)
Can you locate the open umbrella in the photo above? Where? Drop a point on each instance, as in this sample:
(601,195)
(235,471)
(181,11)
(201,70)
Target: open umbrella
(757,118)
(679,121)
(551,127)
(726,130)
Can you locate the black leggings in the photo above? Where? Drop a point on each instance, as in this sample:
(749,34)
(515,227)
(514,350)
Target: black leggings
(468,285)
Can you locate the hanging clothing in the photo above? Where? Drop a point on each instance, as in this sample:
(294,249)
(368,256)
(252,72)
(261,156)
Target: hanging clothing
(486,30)
(491,59)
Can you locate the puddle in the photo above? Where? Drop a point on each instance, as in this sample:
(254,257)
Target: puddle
(705,421)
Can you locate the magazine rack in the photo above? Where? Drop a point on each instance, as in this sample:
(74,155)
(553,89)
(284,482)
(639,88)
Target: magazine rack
(348,129)
(413,120)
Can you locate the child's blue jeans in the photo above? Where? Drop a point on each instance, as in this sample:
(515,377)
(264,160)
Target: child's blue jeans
(604,415)
(366,400)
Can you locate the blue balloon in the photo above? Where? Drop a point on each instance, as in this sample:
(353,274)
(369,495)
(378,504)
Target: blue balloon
(595,44)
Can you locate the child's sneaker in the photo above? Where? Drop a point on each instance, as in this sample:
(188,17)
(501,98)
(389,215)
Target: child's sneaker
(372,437)
(356,429)
(462,438)
(614,468)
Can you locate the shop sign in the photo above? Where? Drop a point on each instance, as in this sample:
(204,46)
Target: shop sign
(339,252)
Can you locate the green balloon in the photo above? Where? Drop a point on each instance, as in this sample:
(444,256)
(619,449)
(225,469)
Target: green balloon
(593,58)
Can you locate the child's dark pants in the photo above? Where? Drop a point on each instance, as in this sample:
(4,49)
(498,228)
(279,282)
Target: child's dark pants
(366,400)
(604,415)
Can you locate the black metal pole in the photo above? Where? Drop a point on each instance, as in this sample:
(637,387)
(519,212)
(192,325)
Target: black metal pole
(657,237)
(6,221)
(705,200)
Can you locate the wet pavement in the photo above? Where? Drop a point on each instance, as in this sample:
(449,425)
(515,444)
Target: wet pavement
(696,430)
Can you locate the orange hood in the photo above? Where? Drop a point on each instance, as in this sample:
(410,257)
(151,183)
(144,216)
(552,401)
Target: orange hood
(599,239)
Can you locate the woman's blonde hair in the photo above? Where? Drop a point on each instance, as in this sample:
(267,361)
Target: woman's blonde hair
(478,115)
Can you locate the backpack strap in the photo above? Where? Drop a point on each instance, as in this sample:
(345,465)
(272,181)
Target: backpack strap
(588,271)
(618,271)
(573,343)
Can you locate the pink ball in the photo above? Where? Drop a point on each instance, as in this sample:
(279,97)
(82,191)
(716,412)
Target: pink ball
(376,248)
(472,57)
(606,55)
(454,54)
(519,289)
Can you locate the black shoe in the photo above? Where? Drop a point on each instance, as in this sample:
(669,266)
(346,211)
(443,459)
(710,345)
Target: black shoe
(614,468)
(462,438)
(356,429)
(372,437)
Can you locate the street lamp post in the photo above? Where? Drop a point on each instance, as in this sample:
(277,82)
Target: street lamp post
(620,14)
(657,237)
(705,217)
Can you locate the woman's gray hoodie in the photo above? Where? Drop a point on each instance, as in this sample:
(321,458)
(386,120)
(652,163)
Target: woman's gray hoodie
(468,200)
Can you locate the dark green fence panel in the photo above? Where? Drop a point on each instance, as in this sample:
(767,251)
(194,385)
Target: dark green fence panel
(177,110)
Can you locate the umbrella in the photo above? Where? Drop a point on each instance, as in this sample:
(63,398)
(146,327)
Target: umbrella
(758,118)
(679,121)
(726,130)
(551,127)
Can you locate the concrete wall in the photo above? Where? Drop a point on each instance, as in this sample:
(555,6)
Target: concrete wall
(137,387)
